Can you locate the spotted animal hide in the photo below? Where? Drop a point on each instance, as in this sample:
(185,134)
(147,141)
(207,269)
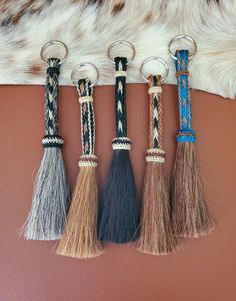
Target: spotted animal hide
(88,27)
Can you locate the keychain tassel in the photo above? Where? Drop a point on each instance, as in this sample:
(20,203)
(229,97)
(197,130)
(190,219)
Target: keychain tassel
(51,194)
(156,236)
(119,215)
(80,236)
(191,217)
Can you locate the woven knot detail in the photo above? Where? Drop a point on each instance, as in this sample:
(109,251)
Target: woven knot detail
(120,73)
(186,136)
(88,160)
(181,72)
(52,141)
(155,89)
(155,155)
(121,143)
(83,99)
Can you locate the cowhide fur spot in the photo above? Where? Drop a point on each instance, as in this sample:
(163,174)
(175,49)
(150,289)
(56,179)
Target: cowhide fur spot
(89,27)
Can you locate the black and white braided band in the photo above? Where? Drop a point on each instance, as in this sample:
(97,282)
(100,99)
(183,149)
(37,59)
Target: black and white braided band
(88,160)
(121,143)
(155,155)
(52,141)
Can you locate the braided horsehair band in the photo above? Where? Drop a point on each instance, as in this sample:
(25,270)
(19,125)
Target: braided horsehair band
(87,123)
(121,141)
(186,132)
(155,152)
(52,139)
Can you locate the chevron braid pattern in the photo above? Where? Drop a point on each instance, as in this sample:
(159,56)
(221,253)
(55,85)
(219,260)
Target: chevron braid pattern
(155,130)
(155,152)
(186,133)
(51,96)
(120,93)
(87,116)
(121,141)
(87,123)
(52,139)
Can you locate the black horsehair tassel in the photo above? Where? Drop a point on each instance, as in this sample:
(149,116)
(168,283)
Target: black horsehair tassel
(119,212)
(156,235)
(51,193)
(191,217)
(80,236)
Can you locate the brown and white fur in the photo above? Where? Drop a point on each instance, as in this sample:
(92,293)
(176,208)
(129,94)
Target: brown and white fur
(89,27)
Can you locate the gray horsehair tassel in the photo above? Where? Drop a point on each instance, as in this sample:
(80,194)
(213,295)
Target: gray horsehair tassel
(51,194)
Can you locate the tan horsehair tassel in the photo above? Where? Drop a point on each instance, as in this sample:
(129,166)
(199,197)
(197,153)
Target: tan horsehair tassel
(80,236)
(156,237)
(190,214)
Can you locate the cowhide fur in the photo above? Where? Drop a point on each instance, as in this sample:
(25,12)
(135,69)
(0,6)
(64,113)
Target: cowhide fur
(89,27)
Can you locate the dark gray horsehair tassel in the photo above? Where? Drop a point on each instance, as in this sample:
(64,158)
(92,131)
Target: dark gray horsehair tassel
(119,212)
(51,194)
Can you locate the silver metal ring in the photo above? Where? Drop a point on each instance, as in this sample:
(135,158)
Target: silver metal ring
(124,43)
(185,37)
(53,42)
(155,58)
(81,66)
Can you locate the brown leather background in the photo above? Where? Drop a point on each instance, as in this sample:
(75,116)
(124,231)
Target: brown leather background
(204,270)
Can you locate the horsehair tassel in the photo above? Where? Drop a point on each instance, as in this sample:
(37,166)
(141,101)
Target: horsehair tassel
(119,212)
(156,236)
(51,194)
(191,217)
(80,236)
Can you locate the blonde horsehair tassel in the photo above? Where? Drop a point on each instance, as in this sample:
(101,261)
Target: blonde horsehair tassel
(156,235)
(80,236)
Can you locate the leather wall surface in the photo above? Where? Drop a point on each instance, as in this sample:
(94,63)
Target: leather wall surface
(204,270)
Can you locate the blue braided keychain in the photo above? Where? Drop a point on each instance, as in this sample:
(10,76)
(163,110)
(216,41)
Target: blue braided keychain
(190,215)
(186,132)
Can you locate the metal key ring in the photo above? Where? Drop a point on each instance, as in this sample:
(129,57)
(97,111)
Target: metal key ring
(185,37)
(81,66)
(154,58)
(53,42)
(124,43)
